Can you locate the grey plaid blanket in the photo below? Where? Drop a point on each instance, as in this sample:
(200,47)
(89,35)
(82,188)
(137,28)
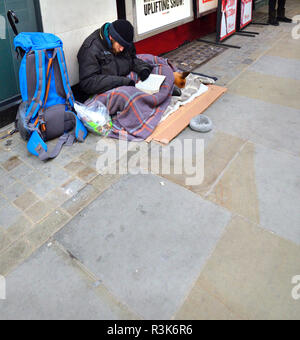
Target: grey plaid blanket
(136,114)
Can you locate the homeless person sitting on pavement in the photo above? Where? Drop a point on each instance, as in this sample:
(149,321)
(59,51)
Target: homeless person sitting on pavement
(109,69)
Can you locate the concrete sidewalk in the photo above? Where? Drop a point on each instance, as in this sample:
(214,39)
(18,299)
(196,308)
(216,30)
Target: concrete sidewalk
(78,245)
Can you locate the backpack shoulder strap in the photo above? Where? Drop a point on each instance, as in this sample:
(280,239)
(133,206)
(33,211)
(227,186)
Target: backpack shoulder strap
(37,100)
(80,130)
(65,77)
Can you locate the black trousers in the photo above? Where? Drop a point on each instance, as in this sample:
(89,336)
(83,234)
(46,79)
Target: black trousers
(280,11)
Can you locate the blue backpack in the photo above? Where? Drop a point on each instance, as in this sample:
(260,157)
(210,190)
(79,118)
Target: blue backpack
(47,111)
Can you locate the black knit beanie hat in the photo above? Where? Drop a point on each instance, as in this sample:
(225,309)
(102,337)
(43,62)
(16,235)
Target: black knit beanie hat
(123,32)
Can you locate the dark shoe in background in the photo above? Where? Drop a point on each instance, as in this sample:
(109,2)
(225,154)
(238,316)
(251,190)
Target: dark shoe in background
(284,19)
(281,16)
(273,22)
(176,92)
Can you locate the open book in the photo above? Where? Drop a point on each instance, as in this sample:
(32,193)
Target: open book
(152,84)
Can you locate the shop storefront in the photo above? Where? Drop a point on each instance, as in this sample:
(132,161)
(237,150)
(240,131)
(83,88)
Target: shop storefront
(260,3)
(160,26)
(71,20)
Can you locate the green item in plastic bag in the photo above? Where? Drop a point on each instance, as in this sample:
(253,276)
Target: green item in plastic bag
(99,130)
(95,117)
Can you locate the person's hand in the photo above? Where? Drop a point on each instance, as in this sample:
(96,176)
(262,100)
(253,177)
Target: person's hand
(131,83)
(144,75)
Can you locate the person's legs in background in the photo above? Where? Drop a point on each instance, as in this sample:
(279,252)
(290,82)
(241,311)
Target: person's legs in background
(281,12)
(272,13)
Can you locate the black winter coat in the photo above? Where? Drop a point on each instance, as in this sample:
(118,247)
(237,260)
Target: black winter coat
(100,70)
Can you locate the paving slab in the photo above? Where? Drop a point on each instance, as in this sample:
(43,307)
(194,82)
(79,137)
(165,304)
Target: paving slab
(87,174)
(12,142)
(2,171)
(21,172)
(75,166)
(4,239)
(42,187)
(6,155)
(49,286)
(90,157)
(14,255)
(38,211)
(146,242)
(26,200)
(287,48)
(19,228)
(278,184)
(55,173)
(12,163)
(73,186)
(43,231)
(9,215)
(34,179)
(5,181)
(201,305)
(219,149)
(278,66)
(227,66)
(251,272)
(271,125)
(263,185)
(3,202)
(57,197)
(75,204)
(14,191)
(271,89)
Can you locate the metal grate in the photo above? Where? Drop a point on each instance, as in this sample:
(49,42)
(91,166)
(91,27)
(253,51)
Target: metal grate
(191,55)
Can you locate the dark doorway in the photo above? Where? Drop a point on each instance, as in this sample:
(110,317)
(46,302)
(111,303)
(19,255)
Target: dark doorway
(28,12)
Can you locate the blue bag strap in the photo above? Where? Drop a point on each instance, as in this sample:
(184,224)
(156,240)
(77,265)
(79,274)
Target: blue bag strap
(37,100)
(66,139)
(36,145)
(80,130)
(65,77)
(39,148)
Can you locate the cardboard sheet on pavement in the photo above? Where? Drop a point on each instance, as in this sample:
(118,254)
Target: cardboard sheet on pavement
(179,120)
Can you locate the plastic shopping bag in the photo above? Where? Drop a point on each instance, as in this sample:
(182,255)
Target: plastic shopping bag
(95,117)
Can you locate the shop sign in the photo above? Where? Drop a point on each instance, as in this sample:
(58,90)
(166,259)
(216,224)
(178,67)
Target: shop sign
(227,15)
(246,13)
(152,14)
(205,6)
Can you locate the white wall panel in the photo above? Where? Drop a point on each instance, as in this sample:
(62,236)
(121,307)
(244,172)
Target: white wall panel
(73,21)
